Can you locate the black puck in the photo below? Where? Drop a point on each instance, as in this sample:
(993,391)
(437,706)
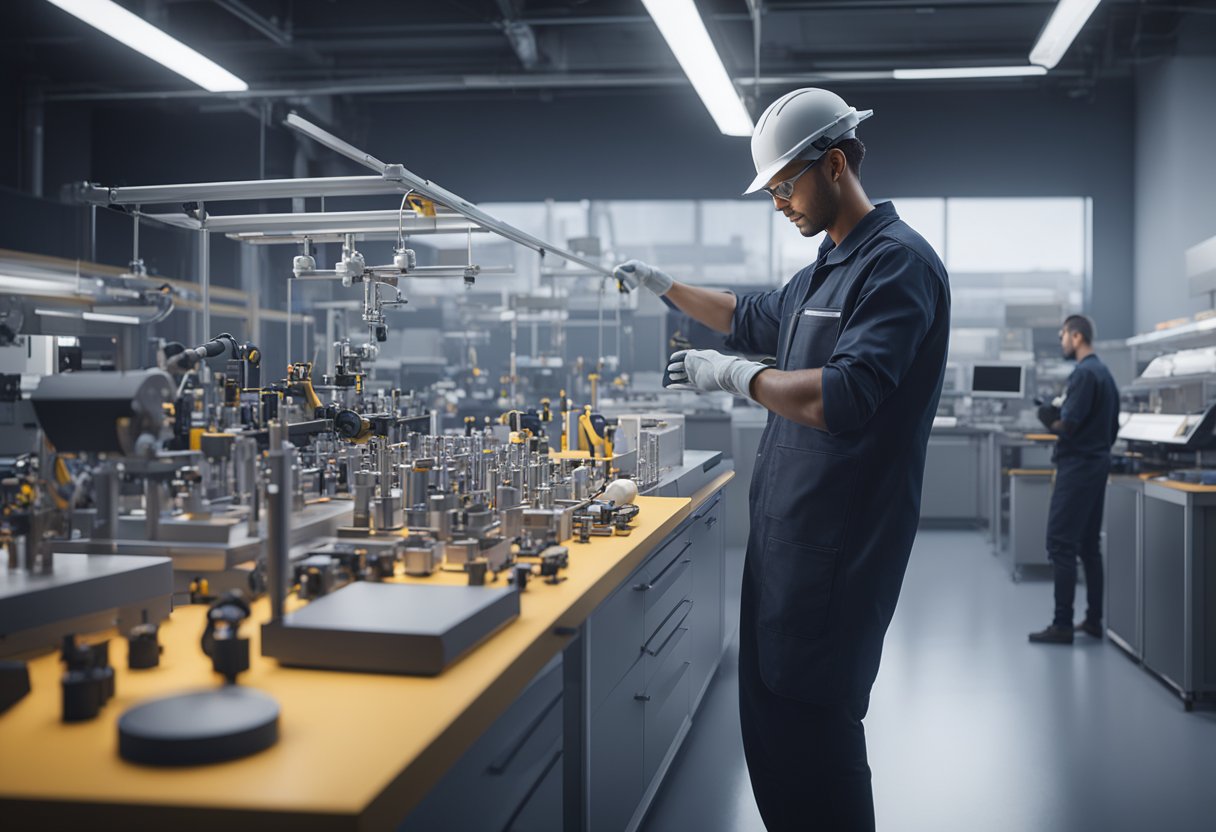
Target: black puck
(207,726)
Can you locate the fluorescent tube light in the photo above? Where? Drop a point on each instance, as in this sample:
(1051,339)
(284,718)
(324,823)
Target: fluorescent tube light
(1063,25)
(967,72)
(684,31)
(146,39)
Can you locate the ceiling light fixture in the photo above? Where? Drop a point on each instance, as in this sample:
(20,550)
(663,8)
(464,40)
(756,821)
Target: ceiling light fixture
(1062,27)
(143,37)
(967,72)
(684,31)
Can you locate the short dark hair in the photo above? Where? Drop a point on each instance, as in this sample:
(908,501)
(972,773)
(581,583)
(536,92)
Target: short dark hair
(854,152)
(1081,325)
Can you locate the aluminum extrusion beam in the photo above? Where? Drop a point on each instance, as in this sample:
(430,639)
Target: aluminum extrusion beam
(428,189)
(336,221)
(246,189)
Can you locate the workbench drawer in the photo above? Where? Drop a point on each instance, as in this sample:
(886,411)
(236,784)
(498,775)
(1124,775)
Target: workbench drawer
(542,811)
(502,768)
(614,642)
(669,583)
(667,702)
(614,759)
(666,639)
(617,629)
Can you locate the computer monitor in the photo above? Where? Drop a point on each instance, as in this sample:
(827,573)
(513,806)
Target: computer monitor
(998,380)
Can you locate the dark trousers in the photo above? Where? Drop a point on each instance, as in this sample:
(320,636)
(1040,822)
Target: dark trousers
(1074,525)
(807,763)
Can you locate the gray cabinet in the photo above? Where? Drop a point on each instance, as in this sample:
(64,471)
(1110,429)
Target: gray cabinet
(1164,589)
(650,651)
(1121,521)
(952,487)
(1029,502)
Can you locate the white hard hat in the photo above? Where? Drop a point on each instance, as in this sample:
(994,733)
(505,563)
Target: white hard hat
(801,124)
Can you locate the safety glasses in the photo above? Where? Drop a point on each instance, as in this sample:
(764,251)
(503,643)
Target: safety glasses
(785,189)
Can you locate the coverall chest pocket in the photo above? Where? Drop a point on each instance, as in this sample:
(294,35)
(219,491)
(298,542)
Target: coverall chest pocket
(815,330)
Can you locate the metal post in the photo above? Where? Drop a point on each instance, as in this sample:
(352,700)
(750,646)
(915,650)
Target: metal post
(204,272)
(278,523)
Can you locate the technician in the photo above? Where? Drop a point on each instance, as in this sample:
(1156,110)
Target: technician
(1086,422)
(859,339)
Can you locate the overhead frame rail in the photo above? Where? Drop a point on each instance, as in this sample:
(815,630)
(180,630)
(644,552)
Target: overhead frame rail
(389,179)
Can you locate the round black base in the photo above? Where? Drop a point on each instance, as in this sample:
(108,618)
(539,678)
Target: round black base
(208,726)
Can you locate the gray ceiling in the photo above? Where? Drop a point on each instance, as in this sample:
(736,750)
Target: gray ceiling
(319,48)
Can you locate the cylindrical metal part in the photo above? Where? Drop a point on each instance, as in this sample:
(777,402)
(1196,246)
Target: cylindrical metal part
(105,489)
(580,479)
(419,560)
(363,492)
(278,528)
(151,508)
(507,496)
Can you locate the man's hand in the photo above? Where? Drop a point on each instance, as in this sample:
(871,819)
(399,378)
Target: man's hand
(708,370)
(635,273)
(1049,414)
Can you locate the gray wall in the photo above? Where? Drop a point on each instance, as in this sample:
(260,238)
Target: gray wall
(1175,181)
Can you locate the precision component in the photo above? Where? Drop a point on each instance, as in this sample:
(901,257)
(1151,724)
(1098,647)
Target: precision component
(89,681)
(15,682)
(421,558)
(552,560)
(316,576)
(222,640)
(520,574)
(143,647)
(100,412)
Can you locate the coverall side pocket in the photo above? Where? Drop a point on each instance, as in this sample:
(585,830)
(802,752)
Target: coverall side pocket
(796,595)
(809,495)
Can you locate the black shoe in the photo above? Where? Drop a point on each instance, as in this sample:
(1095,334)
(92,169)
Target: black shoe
(1052,635)
(1090,628)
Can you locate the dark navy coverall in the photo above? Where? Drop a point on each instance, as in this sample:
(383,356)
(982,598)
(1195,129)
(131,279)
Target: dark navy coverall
(834,512)
(1090,414)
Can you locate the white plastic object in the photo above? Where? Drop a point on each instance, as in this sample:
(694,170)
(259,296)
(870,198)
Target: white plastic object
(621,492)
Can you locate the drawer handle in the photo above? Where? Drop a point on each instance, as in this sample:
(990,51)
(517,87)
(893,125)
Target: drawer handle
(673,637)
(673,621)
(709,524)
(503,761)
(667,573)
(661,693)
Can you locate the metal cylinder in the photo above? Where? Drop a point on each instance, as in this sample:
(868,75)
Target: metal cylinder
(363,493)
(105,489)
(278,528)
(580,479)
(507,496)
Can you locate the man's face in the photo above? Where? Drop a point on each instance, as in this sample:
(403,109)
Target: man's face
(1068,343)
(813,205)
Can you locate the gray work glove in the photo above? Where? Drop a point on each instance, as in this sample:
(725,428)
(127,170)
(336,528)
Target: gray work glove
(635,273)
(708,370)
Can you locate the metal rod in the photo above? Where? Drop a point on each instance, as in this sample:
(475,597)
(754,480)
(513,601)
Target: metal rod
(290,280)
(431,191)
(327,139)
(204,276)
(240,190)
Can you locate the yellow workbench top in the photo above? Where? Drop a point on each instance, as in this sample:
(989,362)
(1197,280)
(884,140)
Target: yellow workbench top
(356,750)
(1031,472)
(1189,487)
(1042,437)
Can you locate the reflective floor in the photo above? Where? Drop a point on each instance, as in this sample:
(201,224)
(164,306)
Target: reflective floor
(972,728)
